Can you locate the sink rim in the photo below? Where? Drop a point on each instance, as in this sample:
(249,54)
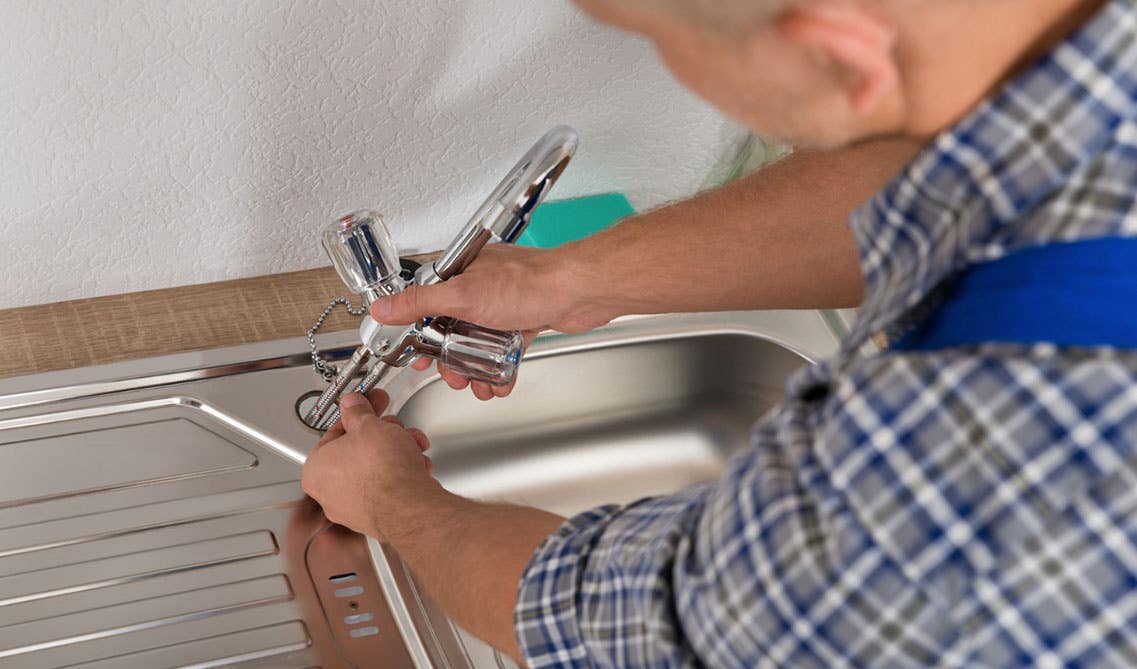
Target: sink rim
(809,334)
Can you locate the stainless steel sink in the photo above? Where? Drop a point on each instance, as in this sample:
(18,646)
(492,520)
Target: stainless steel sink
(612,424)
(150,512)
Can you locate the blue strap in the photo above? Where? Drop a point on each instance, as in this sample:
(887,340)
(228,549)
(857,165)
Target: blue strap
(1073,294)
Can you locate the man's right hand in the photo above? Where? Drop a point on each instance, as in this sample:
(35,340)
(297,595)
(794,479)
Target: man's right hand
(777,239)
(506,288)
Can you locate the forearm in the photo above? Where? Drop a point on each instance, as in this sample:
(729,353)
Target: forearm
(776,239)
(469,556)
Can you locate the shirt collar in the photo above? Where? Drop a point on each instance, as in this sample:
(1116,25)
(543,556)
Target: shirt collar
(1001,161)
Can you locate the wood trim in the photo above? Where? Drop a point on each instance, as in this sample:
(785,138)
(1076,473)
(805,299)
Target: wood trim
(95,331)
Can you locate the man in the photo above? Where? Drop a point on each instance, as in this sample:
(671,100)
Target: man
(966,503)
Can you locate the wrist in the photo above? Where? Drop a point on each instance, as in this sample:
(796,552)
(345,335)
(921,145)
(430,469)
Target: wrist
(577,275)
(409,506)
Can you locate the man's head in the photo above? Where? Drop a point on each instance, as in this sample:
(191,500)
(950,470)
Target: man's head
(828,72)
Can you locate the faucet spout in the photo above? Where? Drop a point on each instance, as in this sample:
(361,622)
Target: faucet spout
(507,211)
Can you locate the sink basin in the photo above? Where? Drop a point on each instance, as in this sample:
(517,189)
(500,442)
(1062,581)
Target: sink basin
(151,515)
(613,424)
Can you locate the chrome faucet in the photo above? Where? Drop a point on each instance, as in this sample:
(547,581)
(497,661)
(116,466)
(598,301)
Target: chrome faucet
(363,254)
(506,212)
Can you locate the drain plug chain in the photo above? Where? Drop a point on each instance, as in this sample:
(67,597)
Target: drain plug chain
(328,372)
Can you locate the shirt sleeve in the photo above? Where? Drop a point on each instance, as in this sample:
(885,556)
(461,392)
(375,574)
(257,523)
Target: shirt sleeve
(598,591)
(763,568)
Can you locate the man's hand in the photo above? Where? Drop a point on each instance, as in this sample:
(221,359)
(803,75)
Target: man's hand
(365,464)
(507,288)
(369,474)
(777,239)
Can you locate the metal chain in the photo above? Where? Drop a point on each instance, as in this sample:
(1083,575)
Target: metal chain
(319,364)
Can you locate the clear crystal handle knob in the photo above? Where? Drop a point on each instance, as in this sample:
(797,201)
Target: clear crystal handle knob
(481,354)
(364,255)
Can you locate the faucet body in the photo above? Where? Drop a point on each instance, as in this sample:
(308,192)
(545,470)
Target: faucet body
(364,256)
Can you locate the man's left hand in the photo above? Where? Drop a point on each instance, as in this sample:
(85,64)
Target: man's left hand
(367,463)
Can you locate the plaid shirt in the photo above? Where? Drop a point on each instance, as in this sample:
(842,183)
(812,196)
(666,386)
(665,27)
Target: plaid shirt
(970,507)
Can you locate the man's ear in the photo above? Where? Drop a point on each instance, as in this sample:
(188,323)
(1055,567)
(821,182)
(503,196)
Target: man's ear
(852,38)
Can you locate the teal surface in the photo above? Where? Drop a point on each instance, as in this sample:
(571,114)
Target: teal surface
(556,223)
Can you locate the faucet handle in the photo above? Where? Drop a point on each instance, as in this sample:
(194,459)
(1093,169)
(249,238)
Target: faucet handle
(365,257)
(476,352)
(479,353)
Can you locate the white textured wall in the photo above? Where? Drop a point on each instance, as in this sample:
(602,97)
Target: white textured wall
(153,143)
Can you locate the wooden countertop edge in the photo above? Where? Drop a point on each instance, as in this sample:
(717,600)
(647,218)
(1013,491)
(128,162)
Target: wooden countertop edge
(100,330)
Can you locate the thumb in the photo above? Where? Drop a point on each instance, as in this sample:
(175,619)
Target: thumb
(412,304)
(354,409)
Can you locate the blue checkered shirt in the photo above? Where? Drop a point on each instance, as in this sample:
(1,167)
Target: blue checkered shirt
(970,507)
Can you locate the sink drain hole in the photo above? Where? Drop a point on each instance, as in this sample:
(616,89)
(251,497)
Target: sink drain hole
(304,404)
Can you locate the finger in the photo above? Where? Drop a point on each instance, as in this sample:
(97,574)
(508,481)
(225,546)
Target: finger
(422,364)
(379,400)
(394,420)
(420,438)
(481,391)
(312,475)
(452,378)
(354,410)
(332,433)
(415,302)
(503,391)
(308,481)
